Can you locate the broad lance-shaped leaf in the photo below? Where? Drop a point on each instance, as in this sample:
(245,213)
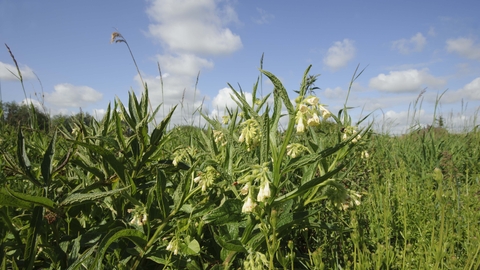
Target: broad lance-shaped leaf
(78,198)
(117,166)
(37,200)
(31,243)
(7,199)
(232,245)
(23,158)
(47,160)
(137,237)
(229,211)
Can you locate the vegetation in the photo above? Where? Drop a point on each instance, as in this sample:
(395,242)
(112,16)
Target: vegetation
(241,193)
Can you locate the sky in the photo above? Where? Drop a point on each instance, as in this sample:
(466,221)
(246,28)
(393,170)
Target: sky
(420,59)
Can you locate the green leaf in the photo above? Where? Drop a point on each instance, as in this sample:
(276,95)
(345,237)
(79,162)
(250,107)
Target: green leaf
(79,262)
(137,237)
(47,160)
(308,185)
(7,199)
(31,243)
(23,160)
(229,211)
(79,198)
(191,247)
(280,91)
(232,245)
(117,166)
(37,200)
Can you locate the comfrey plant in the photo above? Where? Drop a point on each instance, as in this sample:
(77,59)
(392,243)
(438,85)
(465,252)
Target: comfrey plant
(274,177)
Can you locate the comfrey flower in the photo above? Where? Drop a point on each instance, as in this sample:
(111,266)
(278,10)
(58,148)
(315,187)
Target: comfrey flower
(219,137)
(207,178)
(250,134)
(264,192)
(249,205)
(139,217)
(313,121)
(173,246)
(312,100)
(295,149)
(225,119)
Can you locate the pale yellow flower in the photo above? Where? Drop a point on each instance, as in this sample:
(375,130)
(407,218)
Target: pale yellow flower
(312,100)
(314,120)
(248,206)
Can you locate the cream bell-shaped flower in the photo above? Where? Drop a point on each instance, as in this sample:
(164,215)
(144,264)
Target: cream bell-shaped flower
(264,192)
(312,100)
(300,126)
(314,120)
(248,206)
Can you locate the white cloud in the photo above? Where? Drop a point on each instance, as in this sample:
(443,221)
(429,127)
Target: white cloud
(339,54)
(414,44)
(263,17)
(464,47)
(406,81)
(183,64)
(470,91)
(68,95)
(6,75)
(194,26)
(337,93)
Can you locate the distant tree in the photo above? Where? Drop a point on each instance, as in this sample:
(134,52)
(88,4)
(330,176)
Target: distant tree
(21,114)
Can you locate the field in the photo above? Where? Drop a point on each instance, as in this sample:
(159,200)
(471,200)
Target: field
(322,192)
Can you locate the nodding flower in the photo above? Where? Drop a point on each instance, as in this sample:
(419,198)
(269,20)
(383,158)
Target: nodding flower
(248,206)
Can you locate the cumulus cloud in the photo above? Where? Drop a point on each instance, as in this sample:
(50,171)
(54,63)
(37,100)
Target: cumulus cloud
(183,64)
(464,47)
(339,54)
(263,17)
(7,69)
(414,44)
(406,81)
(194,26)
(68,95)
(470,91)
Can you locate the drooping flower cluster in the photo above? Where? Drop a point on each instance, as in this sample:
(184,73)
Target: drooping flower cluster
(207,178)
(295,149)
(250,134)
(258,175)
(219,138)
(183,154)
(174,245)
(309,112)
(139,216)
(351,131)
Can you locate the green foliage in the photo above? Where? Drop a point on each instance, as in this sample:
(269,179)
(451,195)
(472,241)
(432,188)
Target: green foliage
(320,193)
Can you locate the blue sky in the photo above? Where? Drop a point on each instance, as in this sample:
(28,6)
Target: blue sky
(406,46)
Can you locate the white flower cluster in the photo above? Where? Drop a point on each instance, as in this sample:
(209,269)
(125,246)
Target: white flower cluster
(258,174)
(309,112)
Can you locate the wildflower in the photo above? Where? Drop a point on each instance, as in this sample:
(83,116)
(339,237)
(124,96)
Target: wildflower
(173,246)
(245,189)
(250,134)
(325,113)
(206,179)
(300,127)
(314,120)
(303,108)
(365,155)
(138,219)
(248,206)
(225,119)
(312,100)
(219,138)
(264,192)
